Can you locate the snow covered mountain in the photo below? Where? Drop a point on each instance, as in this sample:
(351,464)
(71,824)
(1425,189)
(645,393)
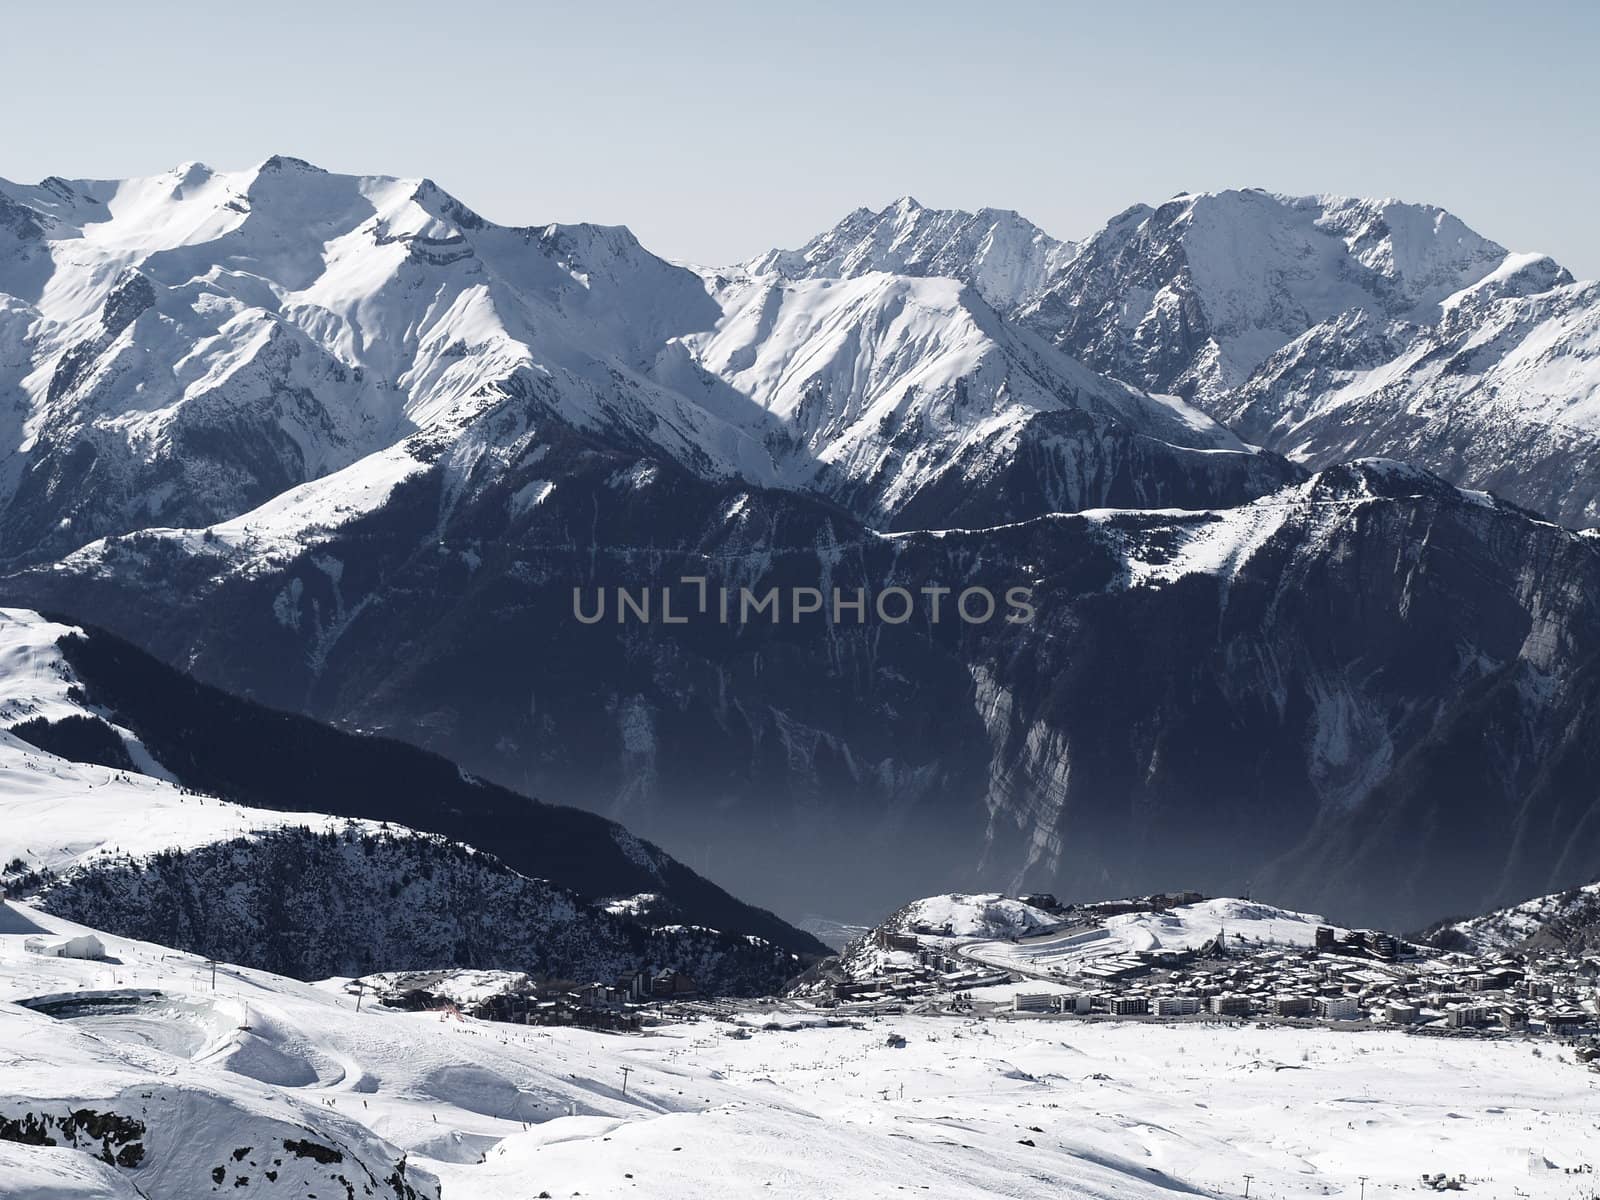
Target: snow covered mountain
(1502,392)
(1007,259)
(916,405)
(1568,921)
(108,784)
(180,349)
(1329,328)
(1230,659)
(1190,297)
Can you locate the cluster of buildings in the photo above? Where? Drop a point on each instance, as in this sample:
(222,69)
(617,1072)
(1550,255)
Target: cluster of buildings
(1364,977)
(621,1005)
(927,971)
(1343,977)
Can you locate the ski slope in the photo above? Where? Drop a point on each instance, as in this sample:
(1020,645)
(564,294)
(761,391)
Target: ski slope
(966,1109)
(1186,927)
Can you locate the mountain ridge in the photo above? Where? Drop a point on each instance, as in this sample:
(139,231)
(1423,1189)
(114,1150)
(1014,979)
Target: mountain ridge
(1004,256)
(186,347)
(1410,337)
(576,413)
(1340,646)
(174,729)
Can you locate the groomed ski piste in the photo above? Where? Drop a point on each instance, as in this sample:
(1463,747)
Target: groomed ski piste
(254,1073)
(1041,948)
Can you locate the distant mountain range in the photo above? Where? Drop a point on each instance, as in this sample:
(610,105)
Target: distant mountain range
(340,445)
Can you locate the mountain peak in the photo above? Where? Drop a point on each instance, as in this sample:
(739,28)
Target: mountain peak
(1193,295)
(284,162)
(1005,257)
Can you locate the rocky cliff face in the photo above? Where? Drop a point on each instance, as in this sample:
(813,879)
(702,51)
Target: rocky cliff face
(1365,687)
(1362,691)
(1358,692)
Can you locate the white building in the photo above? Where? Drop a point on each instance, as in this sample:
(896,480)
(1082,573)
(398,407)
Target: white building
(1177,1006)
(1338,1008)
(85,945)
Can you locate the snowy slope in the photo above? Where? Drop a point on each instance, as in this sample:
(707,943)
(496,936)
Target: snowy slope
(1328,328)
(60,814)
(913,401)
(37,685)
(139,854)
(57,1173)
(184,1089)
(1501,392)
(1005,257)
(799,1108)
(1163,547)
(1190,926)
(142,856)
(1568,920)
(1006,932)
(1185,927)
(99,717)
(312,903)
(957,915)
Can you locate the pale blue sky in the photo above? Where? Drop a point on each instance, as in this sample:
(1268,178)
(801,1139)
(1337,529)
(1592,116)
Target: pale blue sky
(716,130)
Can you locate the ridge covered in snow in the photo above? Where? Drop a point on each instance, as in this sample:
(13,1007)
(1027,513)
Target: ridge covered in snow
(1568,920)
(1004,256)
(916,404)
(208,339)
(179,350)
(1329,328)
(1192,295)
(1501,392)
(144,856)
(95,822)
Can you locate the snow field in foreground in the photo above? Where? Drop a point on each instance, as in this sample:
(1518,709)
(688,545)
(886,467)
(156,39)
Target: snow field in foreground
(1125,1110)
